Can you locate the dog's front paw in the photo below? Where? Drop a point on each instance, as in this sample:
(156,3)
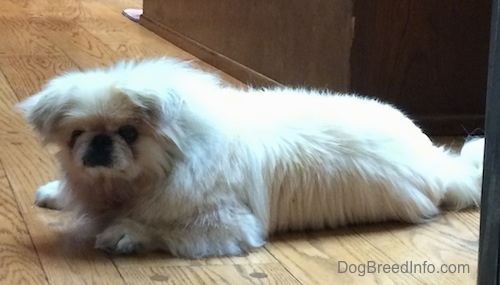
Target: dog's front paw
(122,239)
(47,196)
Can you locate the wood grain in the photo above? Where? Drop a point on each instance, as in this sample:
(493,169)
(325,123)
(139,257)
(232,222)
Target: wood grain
(258,256)
(44,38)
(7,101)
(210,274)
(277,39)
(18,259)
(28,42)
(27,74)
(450,240)
(429,58)
(114,30)
(28,166)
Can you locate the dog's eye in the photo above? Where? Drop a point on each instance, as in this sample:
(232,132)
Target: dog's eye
(128,133)
(75,134)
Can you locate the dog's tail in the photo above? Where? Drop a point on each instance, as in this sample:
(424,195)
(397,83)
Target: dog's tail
(473,152)
(463,176)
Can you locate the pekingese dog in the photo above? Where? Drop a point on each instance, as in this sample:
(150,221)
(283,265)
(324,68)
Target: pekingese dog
(156,155)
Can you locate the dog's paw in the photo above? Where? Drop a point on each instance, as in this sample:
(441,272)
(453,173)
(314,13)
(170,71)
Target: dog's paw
(47,195)
(122,240)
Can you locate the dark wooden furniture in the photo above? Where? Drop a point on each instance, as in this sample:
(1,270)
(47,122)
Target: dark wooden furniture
(489,239)
(427,57)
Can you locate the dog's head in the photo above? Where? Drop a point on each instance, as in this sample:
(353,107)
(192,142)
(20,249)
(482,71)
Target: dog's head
(118,121)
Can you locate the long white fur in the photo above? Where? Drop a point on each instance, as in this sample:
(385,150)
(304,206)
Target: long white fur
(255,162)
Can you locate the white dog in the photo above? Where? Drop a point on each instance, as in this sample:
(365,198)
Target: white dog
(157,155)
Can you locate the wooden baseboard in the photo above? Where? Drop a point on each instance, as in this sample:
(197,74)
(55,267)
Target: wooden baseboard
(219,61)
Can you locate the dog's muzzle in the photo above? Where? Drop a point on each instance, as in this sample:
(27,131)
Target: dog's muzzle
(99,152)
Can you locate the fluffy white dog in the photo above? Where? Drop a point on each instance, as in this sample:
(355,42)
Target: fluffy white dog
(157,155)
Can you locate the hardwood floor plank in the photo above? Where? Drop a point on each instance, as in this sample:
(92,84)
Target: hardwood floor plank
(19,37)
(27,166)
(8,100)
(210,274)
(126,38)
(83,48)
(27,74)
(305,259)
(18,259)
(450,240)
(12,8)
(120,5)
(258,256)
(69,10)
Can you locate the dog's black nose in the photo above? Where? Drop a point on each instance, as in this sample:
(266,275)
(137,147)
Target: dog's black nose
(99,151)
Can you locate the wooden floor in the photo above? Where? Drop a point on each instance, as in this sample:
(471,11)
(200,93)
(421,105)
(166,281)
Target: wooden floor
(41,38)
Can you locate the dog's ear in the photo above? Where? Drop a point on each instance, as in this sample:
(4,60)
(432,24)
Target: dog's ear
(161,109)
(45,109)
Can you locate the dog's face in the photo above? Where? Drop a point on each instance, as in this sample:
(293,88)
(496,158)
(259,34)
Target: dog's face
(122,121)
(101,127)
(114,136)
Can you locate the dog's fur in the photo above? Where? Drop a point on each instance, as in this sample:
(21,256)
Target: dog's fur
(214,170)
